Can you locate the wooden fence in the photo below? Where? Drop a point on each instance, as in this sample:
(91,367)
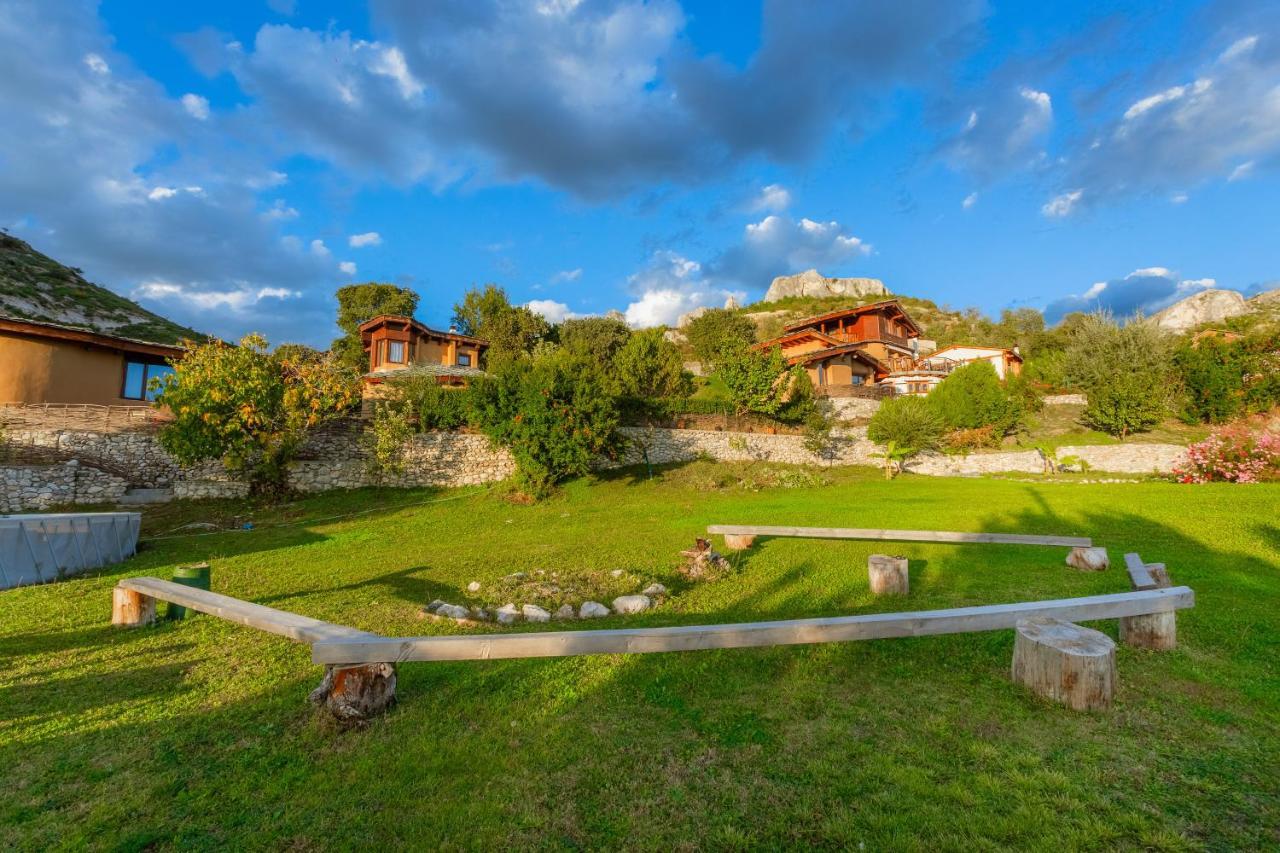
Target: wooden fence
(81,416)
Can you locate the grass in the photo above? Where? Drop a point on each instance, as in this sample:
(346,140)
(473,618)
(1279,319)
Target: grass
(198,735)
(1059,426)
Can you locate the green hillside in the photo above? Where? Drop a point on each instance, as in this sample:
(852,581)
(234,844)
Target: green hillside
(34,286)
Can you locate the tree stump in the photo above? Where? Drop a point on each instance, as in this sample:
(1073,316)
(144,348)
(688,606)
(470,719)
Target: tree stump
(131,609)
(356,694)
(1089,559)
(1065,663)
(1156,631)
(888,575)
(738,541)
(1160,574)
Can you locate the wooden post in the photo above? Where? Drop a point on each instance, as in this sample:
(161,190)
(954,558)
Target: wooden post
(738,542)
(1065,663)
(888,575)
(357,693)
(1155,631)
(131,609)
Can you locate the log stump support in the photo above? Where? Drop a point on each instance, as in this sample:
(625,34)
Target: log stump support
(1065,663)
(131,609)
(1155,631)
(738,541)
(357,693)
(888,575)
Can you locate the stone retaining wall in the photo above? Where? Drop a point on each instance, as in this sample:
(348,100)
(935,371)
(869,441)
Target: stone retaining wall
(429,459)
(36,487)
(137,456)
(1066,400)
(849,447)
(1115,459)
(848,408)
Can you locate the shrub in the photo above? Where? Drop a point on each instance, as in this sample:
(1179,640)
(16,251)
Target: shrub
(907,422)
(967,440)
(759,381)
(384,439)
(719,333)
(248,408)
(973,397)
(433,405)
(648,367)
(594,337)
(1233,455)
(1127,372)
(552,414)
(1212,372)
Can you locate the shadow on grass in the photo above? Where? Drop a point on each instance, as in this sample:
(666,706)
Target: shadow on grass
(403,584)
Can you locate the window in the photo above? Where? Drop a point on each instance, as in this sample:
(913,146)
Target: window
(464,359)
(138,376)
(857,379)
(395,352)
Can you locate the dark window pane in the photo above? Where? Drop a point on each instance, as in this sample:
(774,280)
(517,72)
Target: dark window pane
(464,359)
(135,379)
(155,371)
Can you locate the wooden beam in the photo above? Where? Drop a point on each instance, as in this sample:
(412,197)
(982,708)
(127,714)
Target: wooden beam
(1139,575)
(304,629)
(744,635)
(898,535)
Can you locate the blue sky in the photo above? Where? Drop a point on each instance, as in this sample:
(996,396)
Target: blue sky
(230,165)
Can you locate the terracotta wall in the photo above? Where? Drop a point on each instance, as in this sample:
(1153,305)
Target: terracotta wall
(38,371)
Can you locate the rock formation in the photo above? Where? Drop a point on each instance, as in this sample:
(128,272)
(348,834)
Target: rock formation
(813,283)
(1207,306)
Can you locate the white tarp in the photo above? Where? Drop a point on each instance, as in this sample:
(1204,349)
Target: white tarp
(41,548)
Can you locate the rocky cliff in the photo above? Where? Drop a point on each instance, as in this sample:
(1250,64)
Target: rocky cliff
(812,283)
(1207,306)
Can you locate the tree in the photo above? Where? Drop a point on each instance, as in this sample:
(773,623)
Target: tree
(973,397)
(551,414)
(1213,374)
(512,331)
(718,334)
(894,456)
(1126,371)
(759,381)
(250,409)
(594,337)
(297,353)
(648,367)
(359,303)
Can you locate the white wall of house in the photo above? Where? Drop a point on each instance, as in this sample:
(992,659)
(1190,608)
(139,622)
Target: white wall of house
(965,355)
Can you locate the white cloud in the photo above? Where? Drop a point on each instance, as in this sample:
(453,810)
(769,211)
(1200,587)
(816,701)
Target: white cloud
(773,198)
(554,312)
(162,193)
(1239,48)
(670,285)
(1241,172)
(969,201)
(97,64)
(1063,204)
(369,238)
(196,106)
(319,249)
(567,275)
(279,210)
(1179,198)
(1145,290)
(347,267)
(1004,132)
(204,300)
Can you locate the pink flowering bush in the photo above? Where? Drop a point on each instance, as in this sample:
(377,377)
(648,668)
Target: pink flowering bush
(1232,455)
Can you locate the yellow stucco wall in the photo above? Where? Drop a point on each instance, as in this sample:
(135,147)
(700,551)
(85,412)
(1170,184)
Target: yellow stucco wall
(40,371)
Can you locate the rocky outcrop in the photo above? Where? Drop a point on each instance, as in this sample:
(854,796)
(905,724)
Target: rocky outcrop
(1266,299)
(815,284)
(1207,306)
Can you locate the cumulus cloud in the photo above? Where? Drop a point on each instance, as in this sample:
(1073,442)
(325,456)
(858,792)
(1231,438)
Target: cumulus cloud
(1222,120)
(778,244)
(670,285)
(774,198)
(91,177)
(239,300)
(1063,204)
(1144,290)
(196,106)
(347,267)
(554,312)
(368,238)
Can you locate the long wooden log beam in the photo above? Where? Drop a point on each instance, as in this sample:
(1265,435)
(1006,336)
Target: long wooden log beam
(750,634)
(898,535)
(304,629)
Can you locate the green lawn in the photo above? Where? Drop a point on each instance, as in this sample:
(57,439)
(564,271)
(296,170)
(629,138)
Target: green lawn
(198,735)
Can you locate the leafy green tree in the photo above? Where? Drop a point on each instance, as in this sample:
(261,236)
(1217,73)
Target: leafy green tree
(552,415)
(250,409)
(759,381)
(972,397)
(594,337)
(1126,371)
(719,334)
(1213,374)
(648,367)
(907,422)
(513,331)
(297,353)
(359,303)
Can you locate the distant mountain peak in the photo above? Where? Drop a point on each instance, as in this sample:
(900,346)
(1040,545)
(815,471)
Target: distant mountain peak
(33,286)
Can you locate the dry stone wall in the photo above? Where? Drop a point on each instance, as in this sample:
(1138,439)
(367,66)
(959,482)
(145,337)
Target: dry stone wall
(428,459)
(35,487)
(133,455)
